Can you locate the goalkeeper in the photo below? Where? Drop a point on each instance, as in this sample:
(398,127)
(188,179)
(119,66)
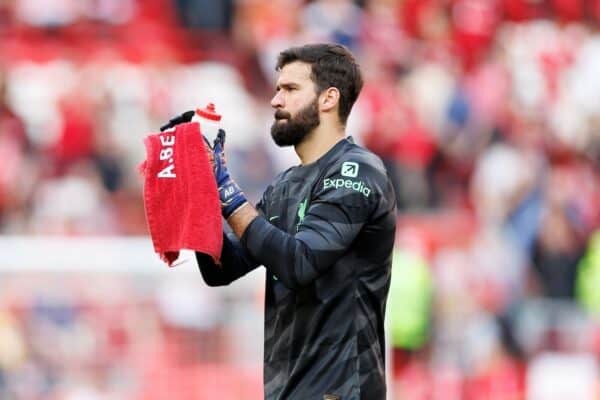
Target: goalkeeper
(324,231)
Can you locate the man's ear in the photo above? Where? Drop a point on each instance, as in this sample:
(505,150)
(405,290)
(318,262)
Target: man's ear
(329,99)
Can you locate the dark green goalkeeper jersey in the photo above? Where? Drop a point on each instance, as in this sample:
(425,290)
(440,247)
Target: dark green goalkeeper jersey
(325,237)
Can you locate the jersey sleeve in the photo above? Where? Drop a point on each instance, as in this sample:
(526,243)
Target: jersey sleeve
(235,263)
(341,204)
(235,260)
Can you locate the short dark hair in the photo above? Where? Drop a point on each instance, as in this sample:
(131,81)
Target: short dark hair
(332,65)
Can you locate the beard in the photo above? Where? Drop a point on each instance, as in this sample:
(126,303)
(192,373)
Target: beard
(293,131)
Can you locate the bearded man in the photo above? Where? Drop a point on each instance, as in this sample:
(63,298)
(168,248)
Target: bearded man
(324,230)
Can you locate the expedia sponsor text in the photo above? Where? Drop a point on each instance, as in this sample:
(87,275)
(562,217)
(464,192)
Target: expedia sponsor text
(357,186)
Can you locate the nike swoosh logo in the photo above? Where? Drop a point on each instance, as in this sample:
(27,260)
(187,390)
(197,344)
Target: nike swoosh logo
(273,218)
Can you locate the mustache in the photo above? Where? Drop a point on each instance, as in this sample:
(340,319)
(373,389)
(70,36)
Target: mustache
(280,114)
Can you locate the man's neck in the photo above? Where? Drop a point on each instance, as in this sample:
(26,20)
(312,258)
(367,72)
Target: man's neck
(317,143)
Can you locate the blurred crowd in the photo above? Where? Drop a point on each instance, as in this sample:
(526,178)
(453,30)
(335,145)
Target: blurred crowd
(124,338)
(486,113)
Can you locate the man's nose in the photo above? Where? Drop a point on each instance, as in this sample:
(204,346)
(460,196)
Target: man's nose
(277,100)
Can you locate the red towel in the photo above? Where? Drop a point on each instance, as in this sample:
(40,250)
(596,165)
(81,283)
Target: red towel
(180,194)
